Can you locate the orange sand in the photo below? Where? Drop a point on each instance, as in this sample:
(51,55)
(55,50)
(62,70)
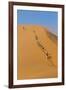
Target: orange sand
(32,61)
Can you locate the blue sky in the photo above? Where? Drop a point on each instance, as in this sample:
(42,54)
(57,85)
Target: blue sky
(44,18)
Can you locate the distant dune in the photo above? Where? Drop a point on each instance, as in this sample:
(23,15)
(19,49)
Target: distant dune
(37,52)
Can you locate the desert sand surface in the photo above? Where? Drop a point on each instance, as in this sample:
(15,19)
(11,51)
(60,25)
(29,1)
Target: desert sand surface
(37,52)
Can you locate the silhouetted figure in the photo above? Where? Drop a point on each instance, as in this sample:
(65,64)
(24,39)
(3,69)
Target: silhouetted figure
(23,28)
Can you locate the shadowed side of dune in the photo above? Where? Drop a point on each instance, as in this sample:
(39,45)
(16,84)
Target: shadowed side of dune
(51,35)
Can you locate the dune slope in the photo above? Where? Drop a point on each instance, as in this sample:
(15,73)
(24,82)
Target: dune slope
(37,53)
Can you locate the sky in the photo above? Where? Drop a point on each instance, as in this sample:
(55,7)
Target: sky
(47,19)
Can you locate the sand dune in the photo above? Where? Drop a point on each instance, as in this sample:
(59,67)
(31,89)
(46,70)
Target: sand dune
(37,52)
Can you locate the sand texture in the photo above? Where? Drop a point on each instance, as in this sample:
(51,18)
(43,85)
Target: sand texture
(37,52)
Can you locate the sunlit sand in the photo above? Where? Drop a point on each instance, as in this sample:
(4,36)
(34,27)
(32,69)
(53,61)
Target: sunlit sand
(37,53)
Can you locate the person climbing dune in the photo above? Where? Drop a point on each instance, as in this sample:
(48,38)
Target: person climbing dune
(23,27)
